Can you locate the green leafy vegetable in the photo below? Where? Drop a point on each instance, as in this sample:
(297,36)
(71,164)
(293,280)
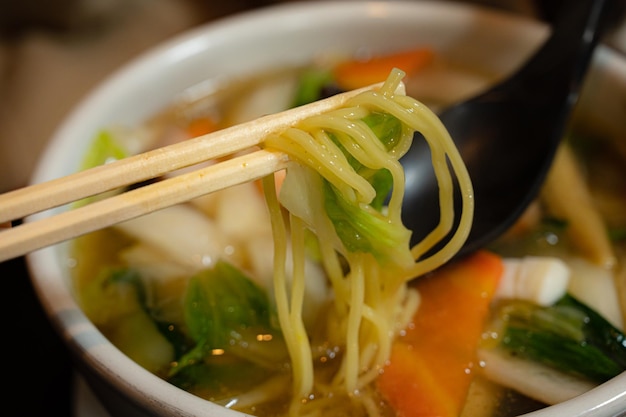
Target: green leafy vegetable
(364,228)
(310,86)
(386,127)
(114,293)
(228,314)
(116,302)
(103,149)
(617,234)
(382,182)
(568,336)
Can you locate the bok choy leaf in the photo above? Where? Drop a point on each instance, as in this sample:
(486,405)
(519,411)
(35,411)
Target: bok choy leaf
(568,336)
(365,228)
(226,313)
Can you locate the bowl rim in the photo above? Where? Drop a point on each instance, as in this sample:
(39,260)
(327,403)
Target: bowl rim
(46,266)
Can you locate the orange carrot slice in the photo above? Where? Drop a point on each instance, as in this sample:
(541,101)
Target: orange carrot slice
(201,126)
(361,73)
(432,366)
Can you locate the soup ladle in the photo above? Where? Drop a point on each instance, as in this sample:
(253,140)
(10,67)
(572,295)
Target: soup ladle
(508,135)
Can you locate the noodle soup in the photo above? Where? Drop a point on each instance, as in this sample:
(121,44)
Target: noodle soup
(232,50)
(189,292)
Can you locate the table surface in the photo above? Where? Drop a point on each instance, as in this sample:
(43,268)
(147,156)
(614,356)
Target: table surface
(38,370)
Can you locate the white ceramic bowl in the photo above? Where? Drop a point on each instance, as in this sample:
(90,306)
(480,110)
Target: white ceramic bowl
(271,37)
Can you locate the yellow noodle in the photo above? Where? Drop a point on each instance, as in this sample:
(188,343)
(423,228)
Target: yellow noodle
(297,298)
(372,304)
(302,366)
(306,150)
(445,183)
(354,323)
(329,255)
(355,136)
(298,281)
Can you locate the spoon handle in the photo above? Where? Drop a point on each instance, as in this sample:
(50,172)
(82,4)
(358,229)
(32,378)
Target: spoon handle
(567,51)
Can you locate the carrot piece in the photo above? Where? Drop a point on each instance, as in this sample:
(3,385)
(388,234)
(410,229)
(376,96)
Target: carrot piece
(201,126)
(431,367)
(353,74)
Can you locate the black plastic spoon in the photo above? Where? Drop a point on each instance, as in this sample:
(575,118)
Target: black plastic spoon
(508,135)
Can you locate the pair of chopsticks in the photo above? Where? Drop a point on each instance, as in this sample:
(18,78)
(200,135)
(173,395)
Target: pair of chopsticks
(36,234)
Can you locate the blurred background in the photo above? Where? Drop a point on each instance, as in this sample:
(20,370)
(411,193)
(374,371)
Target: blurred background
(51,54)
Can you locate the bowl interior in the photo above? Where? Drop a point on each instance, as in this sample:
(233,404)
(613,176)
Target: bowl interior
(290,34)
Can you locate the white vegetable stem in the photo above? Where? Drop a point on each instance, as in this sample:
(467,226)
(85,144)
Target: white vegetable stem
(542,280)
(180,232)
(594,285)
(530,378)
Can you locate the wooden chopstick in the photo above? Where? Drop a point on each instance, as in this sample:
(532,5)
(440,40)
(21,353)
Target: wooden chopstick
(37,234)
(125,206)
(35,198)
